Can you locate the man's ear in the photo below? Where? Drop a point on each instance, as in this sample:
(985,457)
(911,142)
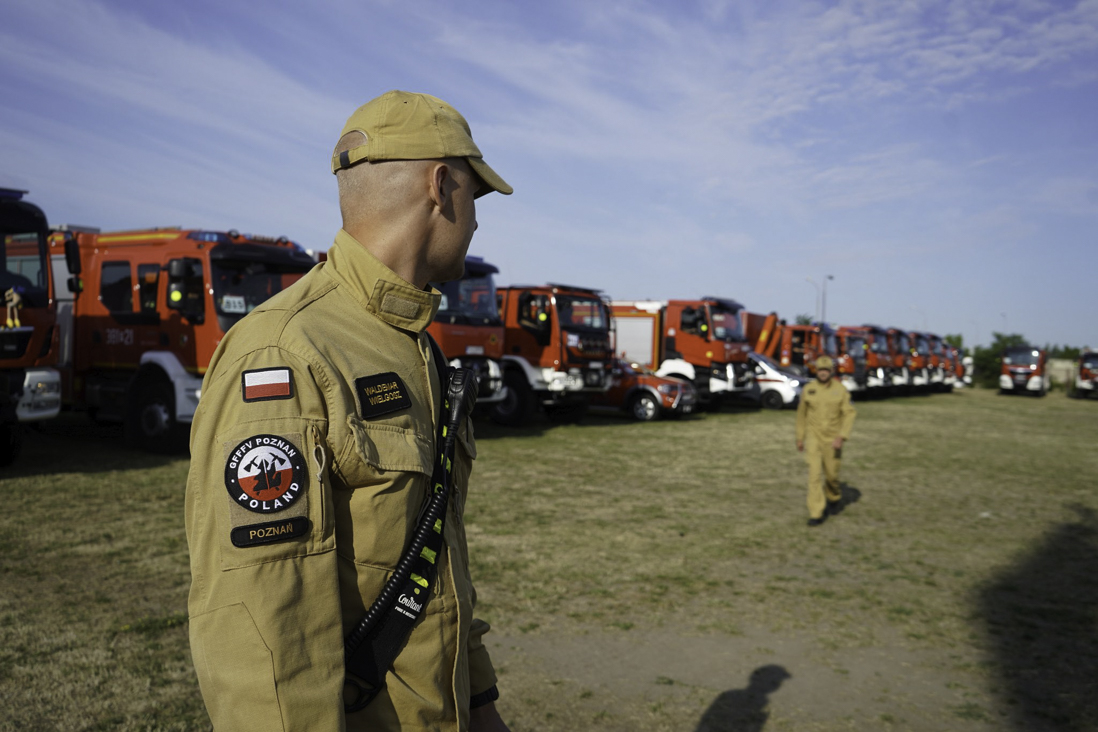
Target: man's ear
(440,184)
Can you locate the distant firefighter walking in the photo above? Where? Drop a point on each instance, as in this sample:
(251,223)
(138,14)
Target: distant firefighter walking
(825,418)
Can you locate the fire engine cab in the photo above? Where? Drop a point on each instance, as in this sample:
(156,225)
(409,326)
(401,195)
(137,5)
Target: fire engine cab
(556,351)
(701,341)
(1024,370)
(30,388)
(468,328)
(149,308)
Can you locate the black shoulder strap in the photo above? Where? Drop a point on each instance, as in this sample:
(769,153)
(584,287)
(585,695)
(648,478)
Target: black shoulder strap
(380,635)
(442,370)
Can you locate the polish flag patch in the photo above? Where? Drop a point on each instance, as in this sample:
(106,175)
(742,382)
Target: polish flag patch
(266,384)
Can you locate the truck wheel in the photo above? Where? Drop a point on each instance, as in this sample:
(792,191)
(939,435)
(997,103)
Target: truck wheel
(772,400)
(150,417)
(11,443)
(515,409)
(644,407)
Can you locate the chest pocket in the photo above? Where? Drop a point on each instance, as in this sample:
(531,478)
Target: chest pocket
(384,472)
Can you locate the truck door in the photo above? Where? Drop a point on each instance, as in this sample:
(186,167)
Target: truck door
(113,339)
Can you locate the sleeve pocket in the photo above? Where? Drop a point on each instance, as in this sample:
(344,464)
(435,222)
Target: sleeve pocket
(235,670)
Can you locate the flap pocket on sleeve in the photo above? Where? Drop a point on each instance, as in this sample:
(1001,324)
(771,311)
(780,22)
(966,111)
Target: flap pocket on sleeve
(235,670)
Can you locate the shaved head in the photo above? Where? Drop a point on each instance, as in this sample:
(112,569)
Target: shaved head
(371,190)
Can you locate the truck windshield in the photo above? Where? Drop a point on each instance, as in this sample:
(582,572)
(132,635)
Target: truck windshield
(1090,361)
(239,285)
(922,347)
(469,300)
(584,313)
(726,326)
(878,345)
(855,347)
(24,259)
(1021,357)
(901,343)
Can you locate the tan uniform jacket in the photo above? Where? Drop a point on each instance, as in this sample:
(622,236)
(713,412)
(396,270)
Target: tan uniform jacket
(825,411)
(302,496)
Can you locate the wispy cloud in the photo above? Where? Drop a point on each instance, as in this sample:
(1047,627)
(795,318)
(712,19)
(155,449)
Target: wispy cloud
(646,141)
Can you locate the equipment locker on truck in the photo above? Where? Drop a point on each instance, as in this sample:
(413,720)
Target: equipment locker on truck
(150,308)
(30,388)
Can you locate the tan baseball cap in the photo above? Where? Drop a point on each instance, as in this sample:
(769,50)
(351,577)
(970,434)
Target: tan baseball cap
(825,362)
(403,125)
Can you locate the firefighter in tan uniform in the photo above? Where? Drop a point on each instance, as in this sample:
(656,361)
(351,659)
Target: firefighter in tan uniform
(313,446)
(825,418)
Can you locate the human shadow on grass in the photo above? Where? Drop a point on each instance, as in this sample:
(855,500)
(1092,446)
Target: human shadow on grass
(1041,616)
(744,710)
(851,495)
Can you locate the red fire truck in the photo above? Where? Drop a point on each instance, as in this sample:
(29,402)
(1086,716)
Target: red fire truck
(468,328)
(150,308)
(940,364)
(1086,375)
(702,341)
(556,351)
(878,359)
(30,388)
(899,348)
(1024,369)
(794,347)
(919,360)
(853,361)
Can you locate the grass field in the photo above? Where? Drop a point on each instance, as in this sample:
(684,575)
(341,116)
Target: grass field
(640,576)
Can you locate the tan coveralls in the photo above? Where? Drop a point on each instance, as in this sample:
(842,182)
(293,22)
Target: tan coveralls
(274,594)
(824,413)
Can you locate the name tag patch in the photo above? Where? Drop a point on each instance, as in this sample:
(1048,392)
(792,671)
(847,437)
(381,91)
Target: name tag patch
(262,385)
(270,532)
(381,394)
(266,474)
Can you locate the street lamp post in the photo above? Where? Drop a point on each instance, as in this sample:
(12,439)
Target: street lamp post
(823,309)
(813,283)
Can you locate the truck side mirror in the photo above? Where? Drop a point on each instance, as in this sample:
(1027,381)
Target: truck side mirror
(534,316)
(693,321)
(689,320)
(72,257)
(185,288)
(178,269)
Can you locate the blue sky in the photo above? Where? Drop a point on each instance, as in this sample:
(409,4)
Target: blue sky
(940,159)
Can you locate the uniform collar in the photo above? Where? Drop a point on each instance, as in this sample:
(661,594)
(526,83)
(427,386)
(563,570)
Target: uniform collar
(380,290)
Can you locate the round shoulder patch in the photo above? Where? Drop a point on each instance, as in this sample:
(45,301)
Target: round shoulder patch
(266,474)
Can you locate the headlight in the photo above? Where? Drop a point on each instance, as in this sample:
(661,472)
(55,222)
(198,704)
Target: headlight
(794,383)
(668,388)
